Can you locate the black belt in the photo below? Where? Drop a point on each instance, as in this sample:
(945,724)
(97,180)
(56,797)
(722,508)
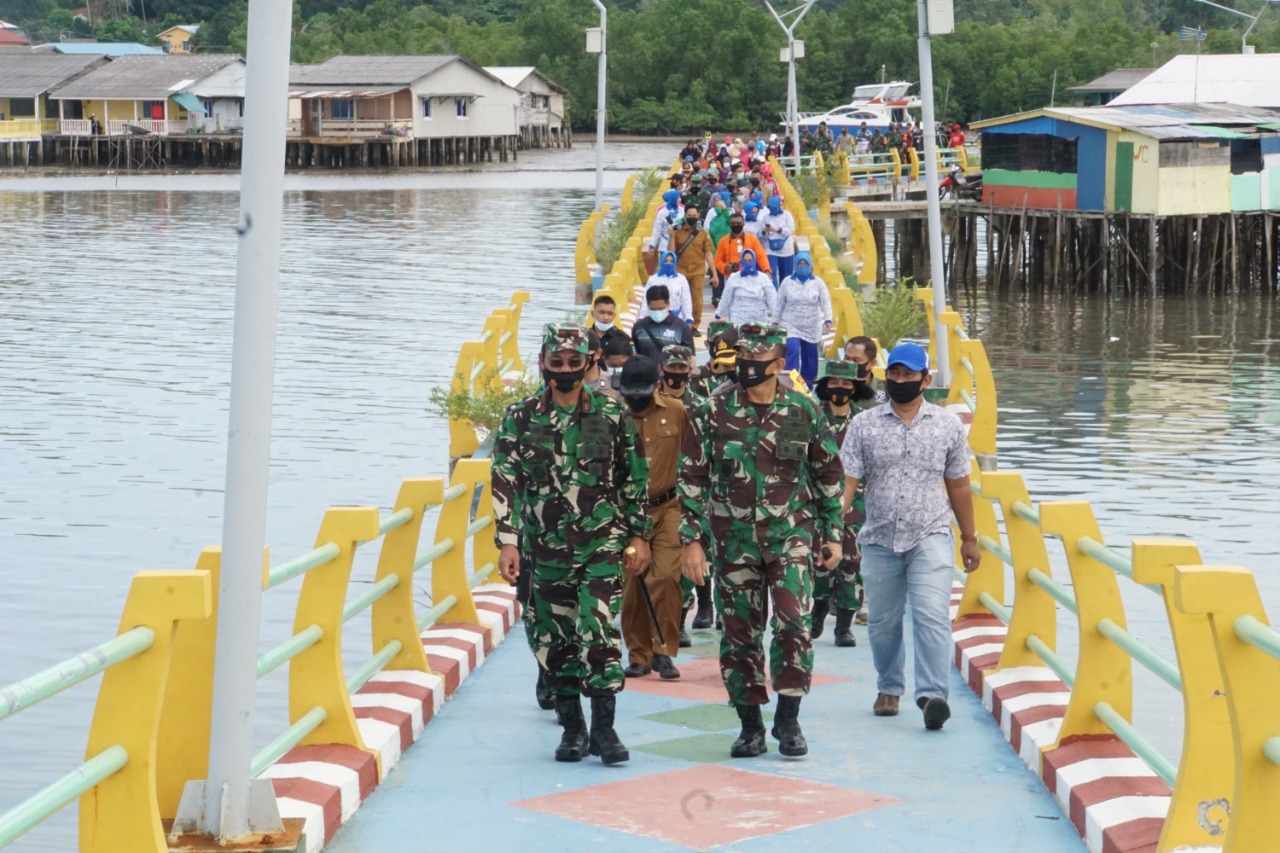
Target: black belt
(662,498)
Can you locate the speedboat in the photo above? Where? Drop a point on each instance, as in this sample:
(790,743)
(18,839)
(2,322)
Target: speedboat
(877,104)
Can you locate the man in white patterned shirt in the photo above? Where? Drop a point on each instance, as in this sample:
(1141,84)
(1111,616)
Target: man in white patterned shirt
(915,460)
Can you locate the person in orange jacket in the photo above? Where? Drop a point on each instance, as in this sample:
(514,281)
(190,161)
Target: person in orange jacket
(729,253)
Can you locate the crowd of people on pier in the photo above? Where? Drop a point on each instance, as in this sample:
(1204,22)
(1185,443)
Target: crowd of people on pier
(638,486)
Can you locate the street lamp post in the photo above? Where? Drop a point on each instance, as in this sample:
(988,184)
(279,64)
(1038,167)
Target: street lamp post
(1253,19)
(936,17)
(596,44)
(793,102)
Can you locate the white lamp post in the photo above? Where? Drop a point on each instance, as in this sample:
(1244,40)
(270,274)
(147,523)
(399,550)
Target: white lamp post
(794,51)
(936,17)
(1253,19)
(596,44)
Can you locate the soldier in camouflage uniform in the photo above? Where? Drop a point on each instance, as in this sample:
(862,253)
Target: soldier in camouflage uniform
(569,485)
(760,477)
(844,390)
(677,366)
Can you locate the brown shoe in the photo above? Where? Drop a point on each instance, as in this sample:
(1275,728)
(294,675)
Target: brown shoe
(886,705)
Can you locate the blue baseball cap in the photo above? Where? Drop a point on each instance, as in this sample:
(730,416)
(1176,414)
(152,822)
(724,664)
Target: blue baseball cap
(910,356)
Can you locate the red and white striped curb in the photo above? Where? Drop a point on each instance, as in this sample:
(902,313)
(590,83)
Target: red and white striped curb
(1115,802)
(324,785)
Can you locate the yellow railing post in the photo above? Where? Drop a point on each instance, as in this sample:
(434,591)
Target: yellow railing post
(1034,610)
(1104,671)
(951,321)
(511,349)
(913,164)
(924,295)
(449,570)
(462,432)
(1205,771)
(1228,596)
(989,576)
(628,189)
(494,326)
(393,614)
(982,432)
(316,676)
(484,548)
(122,811)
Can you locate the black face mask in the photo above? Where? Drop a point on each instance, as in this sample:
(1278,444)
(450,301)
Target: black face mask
(675,380)
(839,396)
(565,381)
(639,404)
(751,372)
(736,229)
(902,392)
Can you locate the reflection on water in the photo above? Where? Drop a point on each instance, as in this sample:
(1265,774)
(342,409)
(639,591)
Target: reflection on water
(115,309)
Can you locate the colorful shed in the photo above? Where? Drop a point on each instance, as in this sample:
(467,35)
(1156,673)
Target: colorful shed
(1164,160)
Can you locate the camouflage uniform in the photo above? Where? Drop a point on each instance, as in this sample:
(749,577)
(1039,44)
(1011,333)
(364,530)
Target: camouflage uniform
(569,487)
(765,488)
(680,356)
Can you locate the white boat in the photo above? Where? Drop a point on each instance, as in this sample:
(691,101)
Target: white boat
(877,104)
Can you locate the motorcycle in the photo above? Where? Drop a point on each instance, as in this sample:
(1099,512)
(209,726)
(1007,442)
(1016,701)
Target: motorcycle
(963,187)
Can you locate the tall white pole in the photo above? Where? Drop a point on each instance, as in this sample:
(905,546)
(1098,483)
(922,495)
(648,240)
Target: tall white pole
(936,271)
(601,92)
(793,100)
(231,808)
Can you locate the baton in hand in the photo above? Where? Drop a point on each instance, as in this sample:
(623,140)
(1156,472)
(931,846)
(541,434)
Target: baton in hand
(648,599)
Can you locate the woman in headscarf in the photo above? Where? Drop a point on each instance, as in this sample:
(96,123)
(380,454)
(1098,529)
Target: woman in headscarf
(749,295)
(717,223)
(670,211)
(778,235)
(677,285)
(804,308)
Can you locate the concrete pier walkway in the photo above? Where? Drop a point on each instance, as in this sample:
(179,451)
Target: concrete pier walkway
(482,775)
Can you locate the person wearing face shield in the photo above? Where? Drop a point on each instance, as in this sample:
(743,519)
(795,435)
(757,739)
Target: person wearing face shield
(845,390)
(652,639)
(914,460)
(570,484)
(804,307)
(659,328)
(760,478)
(749,295)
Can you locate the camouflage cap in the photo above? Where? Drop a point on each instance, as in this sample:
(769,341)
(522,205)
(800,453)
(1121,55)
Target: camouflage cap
(564,337)
(761,337)
(678,356)
(839,370)
(718,328)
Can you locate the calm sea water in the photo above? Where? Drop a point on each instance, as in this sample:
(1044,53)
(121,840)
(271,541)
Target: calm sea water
(115,325)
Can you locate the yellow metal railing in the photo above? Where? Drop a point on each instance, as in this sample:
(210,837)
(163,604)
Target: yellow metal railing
(1228,658)
(487,361)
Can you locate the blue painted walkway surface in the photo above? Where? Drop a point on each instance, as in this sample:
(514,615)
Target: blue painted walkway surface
(482,775)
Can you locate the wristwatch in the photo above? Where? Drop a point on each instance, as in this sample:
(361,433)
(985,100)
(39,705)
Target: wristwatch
(687,540)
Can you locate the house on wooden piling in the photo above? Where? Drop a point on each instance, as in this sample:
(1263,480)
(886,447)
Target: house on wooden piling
(399,110)
(541,117)
(1161,160)
(26,79)
(165,95)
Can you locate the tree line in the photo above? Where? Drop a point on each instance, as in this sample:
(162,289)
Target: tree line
(682,66)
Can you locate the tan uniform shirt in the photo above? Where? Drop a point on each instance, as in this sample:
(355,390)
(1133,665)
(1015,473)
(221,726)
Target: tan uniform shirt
(662,430)
(693,258)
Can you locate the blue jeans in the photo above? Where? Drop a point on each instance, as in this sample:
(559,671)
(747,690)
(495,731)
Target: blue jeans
(920,577)
(803,356)
(780,268)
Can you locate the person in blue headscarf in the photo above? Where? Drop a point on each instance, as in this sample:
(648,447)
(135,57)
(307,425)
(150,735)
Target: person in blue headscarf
(804,308)
(681,302)
(777,232)
(670,211)
(751,218)
(749,296)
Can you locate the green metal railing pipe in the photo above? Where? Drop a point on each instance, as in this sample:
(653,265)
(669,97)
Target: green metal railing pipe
(1059,592)
(1258,635)
(42,805)
(967,365)
(1051,660)
(290,648)
(994,547)
(1140,745)
(301,565)
(366,599)
(437,550)
(287,740)
(1109,557)
(479,575)
(1271,750)
(968,400)
(1168,673)
(479,524)
(374,666)
(429,618)
(399,518)
(1004,614)
(455,491)
(30,691)
(1026,512)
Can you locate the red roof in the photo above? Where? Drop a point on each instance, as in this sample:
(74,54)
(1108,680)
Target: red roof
(13,36)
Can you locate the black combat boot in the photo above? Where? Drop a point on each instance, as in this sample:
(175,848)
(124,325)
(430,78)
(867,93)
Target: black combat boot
(821,606)
(540,692)
(702,619)
(750,742)
(604,740)
(573,743)
(786,728)
(685,640)
(844,628)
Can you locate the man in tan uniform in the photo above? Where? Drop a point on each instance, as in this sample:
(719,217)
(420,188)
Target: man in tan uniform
(653,638)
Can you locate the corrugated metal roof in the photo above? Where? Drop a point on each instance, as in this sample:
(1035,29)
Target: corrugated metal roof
(25,74)
(1114,81)
(101,48)
(514,75)
(1248,79)
(319,92)
(1168,121)
(149,77)
(365,71)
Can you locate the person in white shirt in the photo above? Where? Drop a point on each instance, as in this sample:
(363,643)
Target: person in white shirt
(749,295)
(777,232)
(678,286)
(670,211)
(804,308)
(751,222)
